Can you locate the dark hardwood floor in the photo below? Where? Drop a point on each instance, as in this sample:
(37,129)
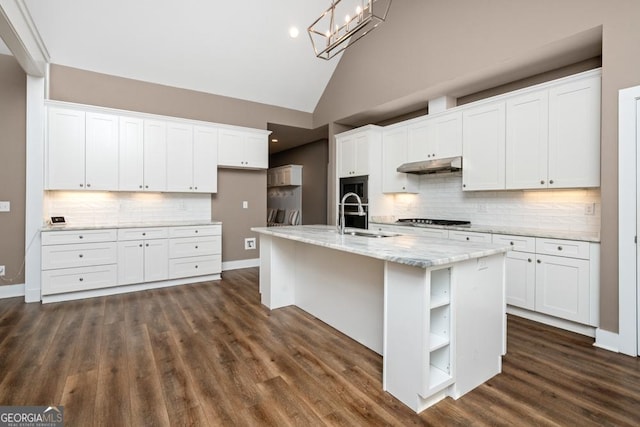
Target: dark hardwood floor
(210,354)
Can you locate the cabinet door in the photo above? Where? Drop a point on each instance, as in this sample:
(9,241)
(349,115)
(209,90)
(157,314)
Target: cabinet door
(483,147)
(256,151)
(179,157)
(445,135)
(527,141)
(101,156)
(155,155)
(419,145)
(205,159)
(130,262)
(131,153)
(394,153)
(230,148)
(520,279)
(65,149)
(574,134)
(347,151)
(562,287)
(362,154)
(156,260)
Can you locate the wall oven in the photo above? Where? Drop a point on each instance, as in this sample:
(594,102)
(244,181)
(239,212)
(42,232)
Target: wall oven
(359,186)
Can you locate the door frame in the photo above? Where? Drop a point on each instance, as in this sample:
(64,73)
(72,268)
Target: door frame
(628,218)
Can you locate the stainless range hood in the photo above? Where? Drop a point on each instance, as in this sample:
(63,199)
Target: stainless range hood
(449,164)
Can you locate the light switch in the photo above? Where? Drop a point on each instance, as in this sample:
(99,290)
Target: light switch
(245,205)
(5,206)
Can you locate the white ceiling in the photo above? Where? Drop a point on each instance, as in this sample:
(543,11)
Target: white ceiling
(239,49)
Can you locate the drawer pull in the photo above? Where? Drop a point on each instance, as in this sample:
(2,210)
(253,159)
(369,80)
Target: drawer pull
(80,255)
(147,245)
(542,181)
(144,234)
(550,181)
(539,262)
(467,238)
(140,244)
(529,259)
(80,237)
(196,266)
(196,231)
(196,247)
(559,248)
(511,243)
(81,279)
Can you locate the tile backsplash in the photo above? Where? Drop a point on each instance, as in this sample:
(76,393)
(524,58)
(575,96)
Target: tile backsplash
(99,208)
(442,197)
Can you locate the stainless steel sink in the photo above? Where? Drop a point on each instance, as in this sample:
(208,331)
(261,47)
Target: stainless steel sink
(372,235)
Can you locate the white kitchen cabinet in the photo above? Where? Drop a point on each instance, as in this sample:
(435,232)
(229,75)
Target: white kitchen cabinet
(354,150)
(155,155)
(574,133)
(520,276)
(142,261)
(285,176)
(469,236)
(242,149)
(65,149)
(195,250)
(394,153)
(101,155)
(435,137)
(205,159)
(527,141)
(483,147)
(179,157)
(131,152)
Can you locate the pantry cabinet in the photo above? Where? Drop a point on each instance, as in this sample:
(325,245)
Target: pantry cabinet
(240,149)
(483,147)
(395,151)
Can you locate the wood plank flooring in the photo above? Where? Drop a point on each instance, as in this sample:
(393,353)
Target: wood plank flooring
(211,355)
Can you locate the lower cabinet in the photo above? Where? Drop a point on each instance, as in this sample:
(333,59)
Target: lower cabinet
(79,260)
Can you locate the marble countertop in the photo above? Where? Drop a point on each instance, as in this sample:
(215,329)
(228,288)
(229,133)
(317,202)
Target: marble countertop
(128,224)
(416,251)
(515,231)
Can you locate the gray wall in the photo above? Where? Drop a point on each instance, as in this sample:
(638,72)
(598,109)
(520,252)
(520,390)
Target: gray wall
(313,157)
(13,93)
(430,48)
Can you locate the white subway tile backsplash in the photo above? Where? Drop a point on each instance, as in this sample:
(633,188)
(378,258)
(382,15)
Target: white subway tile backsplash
(442,197)
(99,208)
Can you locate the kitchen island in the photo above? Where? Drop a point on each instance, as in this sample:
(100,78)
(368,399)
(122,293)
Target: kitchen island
(433,308)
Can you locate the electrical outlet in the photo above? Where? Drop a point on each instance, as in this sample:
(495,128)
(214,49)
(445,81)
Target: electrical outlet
(482,207)
(249,243)
(245,205)
(5,206)
(1,270)
(590,209)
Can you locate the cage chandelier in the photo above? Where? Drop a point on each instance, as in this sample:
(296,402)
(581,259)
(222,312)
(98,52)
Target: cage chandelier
(345,22)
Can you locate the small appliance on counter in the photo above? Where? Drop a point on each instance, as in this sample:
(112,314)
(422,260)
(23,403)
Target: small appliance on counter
(417,222)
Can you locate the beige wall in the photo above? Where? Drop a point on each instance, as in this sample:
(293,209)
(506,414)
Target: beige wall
(13,90)
(234,186)
(430,48)
(314,159)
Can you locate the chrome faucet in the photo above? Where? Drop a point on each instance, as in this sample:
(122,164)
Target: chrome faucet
(360,210)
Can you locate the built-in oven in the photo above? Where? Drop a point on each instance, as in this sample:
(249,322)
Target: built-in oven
(359,186)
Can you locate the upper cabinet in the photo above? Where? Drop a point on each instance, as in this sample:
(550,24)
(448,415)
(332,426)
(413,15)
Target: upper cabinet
(131,153)
(395,151)
(354,150)
(243,149)
(285,176)
(543,138)
(82,150)
(155,155)
(483,148)
(436,137)
(205,159)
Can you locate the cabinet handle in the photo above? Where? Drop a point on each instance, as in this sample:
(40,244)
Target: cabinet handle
(467,238)
(559,248)
(81,279)
(88,185)
(81,185)
(147,245)
(196,231)
(146,186)
(190,188)
(144,234)
(140,244)
(539,262)
(80,237)
(433,155)
(196,247)
(80,255)
(403,188)
(195,188)
(511,243)
(550,181)
(140,186)
(464,185)
(542,181)
(196,266)
(529,259)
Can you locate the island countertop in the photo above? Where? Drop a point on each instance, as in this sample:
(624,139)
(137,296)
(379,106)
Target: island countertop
(416,251)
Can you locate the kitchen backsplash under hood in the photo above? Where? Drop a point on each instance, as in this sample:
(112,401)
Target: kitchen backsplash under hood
(423,167)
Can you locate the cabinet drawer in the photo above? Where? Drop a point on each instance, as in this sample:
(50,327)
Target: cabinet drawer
(81,255)
(77,236)
(142,233)
(433,232)
(470,236)
(194,246)
(519,243)
(195,266)
(194,231)
(78,279)
(565,248)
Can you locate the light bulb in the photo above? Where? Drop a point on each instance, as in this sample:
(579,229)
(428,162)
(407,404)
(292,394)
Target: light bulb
(346,18)
(293,32)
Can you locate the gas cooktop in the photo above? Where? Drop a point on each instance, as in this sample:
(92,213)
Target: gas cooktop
(429,221)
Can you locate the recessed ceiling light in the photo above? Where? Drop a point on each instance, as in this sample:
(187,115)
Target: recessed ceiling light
(293,32)
(274,140)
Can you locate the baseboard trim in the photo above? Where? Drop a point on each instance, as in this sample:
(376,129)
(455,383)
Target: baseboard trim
(567,325)
(241,263)
(11,291)
(607,340)
(71,296)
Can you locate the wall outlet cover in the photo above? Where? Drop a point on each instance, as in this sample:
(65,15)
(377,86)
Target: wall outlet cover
(5,206)
(249,243)
(2,272)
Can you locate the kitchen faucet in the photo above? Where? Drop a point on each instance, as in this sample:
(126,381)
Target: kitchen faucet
(360,210)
